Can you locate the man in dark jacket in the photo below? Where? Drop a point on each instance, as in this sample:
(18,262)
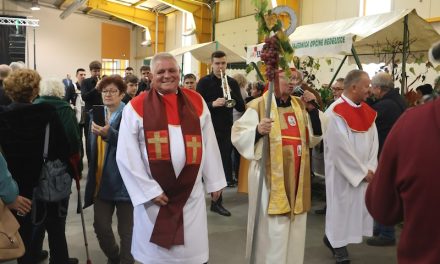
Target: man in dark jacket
(69,88)
(211,89)
(145,81)
(91,96)
(389,106)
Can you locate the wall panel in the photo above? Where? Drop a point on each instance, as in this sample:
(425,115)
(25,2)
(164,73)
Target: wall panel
(237,37)
(115,41)
(226,10)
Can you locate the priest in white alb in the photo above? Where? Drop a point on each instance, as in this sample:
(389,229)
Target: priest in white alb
(350,155)
(295,127)
(166,147)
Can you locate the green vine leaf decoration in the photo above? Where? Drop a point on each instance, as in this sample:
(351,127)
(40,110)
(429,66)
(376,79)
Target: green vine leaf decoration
(270,25)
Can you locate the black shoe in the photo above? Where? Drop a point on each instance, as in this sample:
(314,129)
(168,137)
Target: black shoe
(232,184)
(328,245)
(341,255)
(72,261)
(218,208)
(44,254)
(321,211)
(380,241)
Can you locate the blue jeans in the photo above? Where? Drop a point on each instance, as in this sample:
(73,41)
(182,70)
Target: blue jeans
(383,231)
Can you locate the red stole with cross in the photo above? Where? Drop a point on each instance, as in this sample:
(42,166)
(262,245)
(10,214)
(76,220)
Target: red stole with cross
(168,229)
(358,119)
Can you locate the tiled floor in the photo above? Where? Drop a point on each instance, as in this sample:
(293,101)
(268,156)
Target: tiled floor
(227,236)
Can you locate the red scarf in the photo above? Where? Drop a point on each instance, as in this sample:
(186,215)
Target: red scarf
(168,229)
(358,119)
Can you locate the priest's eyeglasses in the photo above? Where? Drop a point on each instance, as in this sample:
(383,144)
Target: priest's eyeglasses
(110,92)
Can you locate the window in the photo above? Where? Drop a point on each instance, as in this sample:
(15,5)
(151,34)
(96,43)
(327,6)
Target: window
(111,66)
(188,27)
(372,7)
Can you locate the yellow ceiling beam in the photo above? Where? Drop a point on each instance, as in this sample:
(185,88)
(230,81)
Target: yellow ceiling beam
(140,17)
(182,5)
(136,16)
(203,21)
(139,2)
(201,13)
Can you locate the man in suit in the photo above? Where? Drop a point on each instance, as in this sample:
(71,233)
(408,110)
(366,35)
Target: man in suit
(91,96)
(69,88)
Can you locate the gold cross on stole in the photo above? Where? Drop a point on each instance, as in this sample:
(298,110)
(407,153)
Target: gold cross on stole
(157,140)
(194,144)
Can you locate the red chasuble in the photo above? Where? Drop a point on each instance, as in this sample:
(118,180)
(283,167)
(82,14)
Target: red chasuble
(291,137)
(358,119)
(184,109)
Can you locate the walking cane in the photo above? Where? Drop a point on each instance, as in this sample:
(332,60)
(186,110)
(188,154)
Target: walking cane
(74,161)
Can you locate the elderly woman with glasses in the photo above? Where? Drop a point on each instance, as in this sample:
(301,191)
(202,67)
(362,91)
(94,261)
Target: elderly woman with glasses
(105,188)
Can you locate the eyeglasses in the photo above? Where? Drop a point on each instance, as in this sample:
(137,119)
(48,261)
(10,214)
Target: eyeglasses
(111,92)
(335,89)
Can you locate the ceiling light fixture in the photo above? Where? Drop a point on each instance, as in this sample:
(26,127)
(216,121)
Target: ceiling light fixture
(146,38)
(35,6)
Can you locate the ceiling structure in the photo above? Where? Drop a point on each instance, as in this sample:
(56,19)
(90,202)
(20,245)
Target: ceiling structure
(161,6)
(143,13)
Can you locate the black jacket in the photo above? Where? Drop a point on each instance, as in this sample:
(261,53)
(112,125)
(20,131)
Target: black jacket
(89,94)
(4,99)
(210,89)
(22,130)
(70,93)
(388,108)
(143,86)
(127,98)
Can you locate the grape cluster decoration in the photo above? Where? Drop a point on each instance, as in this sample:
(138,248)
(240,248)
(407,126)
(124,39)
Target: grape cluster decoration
(270,56)
(277,51)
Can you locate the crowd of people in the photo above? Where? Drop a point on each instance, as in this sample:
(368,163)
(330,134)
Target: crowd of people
(163,143)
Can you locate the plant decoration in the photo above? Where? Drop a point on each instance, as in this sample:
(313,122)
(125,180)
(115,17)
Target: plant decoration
(390,54)
(277,51)
(309,66)
(326,95)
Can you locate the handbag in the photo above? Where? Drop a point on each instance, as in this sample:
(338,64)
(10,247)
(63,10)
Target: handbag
(55,182)
(11,244)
